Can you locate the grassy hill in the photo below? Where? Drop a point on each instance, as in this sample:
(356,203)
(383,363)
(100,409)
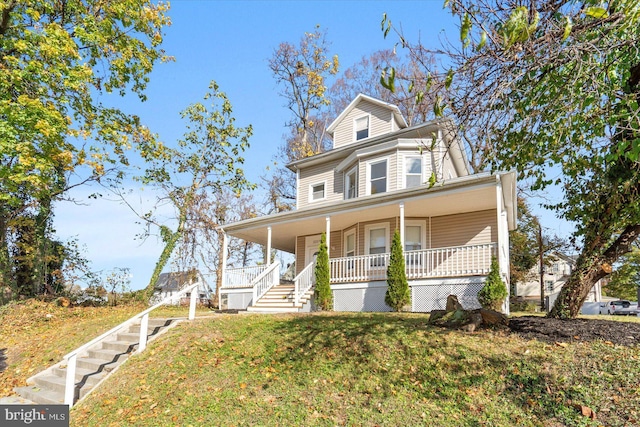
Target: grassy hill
(359,369)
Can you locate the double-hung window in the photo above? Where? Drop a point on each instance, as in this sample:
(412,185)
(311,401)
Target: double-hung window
(376,243)
(378,177)
(412,238)
(351,184)
(362,128)
(413,171)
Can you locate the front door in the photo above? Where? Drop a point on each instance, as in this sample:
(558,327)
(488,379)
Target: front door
(312,246)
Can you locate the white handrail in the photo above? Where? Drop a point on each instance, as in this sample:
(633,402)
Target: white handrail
(69,391)
(265,281)
(303,282)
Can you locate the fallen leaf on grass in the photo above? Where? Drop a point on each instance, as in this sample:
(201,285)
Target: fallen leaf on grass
(562,344)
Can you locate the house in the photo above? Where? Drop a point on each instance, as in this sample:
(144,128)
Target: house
(173,282)
(555,275)
(379,176)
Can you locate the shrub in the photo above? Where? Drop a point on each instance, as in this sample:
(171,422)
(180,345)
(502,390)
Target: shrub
(323,294)
(398,294)
(494,292)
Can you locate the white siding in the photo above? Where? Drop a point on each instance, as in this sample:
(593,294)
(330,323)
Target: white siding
(380,122)
(334,186)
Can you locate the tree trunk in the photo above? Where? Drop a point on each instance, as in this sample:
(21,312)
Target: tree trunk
(170,245)
(589,270)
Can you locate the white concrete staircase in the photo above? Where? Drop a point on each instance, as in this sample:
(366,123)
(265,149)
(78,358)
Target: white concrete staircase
(279,299)
(93,367)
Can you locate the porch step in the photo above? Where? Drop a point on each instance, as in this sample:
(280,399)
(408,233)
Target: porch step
(93,367)
(279,299)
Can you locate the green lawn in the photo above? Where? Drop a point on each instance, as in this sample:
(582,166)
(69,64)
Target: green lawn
(363,369)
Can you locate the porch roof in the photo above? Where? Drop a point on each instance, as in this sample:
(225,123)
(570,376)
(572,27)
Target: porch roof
(459,195)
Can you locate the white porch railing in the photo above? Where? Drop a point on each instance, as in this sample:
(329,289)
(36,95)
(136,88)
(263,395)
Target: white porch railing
(71,358)
(303,282)
(441,262)
(358,268)
(242,277)
(265,281)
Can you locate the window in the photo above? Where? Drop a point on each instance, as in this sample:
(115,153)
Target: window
(548,285)
(412,238)
(413,172)
(362,128)
(351,184)
(378,174)
(317,192)
(350,244)
(377,241)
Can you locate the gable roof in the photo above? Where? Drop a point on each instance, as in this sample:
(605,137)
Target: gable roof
(362,97)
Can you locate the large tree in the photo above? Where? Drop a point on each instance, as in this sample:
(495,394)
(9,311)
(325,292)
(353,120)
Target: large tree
(551,88)
(301,72)
(56,59)
(195,176)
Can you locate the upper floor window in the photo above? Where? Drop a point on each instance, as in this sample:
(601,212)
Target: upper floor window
(362,128)
(378,177)
(317,191)
(413,171)
(351,184)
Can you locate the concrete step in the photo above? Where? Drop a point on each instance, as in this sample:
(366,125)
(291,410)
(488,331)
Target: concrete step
(96,365)
(129,337)
(83,375)
(40,396)
(119,346)
(108,356)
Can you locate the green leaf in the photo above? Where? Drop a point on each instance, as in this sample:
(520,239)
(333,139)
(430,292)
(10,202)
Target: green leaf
(465,28)
(388,83)
(449,79)
(567,28)
(483,40)
(596,12)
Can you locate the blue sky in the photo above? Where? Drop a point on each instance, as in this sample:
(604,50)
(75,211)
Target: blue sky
(230,42)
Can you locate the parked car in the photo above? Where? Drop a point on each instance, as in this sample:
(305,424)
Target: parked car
(619,307)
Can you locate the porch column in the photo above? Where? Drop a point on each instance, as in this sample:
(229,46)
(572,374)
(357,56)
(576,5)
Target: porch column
(503,236)
(267,255)
(328,235)
(225,245)
(402,225)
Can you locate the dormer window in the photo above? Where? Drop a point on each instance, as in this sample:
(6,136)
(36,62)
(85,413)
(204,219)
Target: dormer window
(362,128)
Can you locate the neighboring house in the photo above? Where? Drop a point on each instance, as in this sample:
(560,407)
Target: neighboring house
(373,181)
(555,276)
(173,282)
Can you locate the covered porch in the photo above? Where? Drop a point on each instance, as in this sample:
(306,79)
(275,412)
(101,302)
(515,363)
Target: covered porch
(463,223)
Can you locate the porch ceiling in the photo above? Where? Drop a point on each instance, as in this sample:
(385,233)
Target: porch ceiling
(473,195)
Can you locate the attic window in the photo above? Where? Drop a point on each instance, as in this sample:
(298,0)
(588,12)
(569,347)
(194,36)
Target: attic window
(362,128)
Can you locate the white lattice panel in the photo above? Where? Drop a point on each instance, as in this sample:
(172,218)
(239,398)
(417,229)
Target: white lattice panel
(434,297)
(367,299)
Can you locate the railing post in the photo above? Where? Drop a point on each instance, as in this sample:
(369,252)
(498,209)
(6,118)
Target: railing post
(192,303)
(70,383)
(144,325)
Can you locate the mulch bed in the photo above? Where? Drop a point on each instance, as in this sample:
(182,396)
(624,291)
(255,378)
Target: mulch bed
(576,330)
